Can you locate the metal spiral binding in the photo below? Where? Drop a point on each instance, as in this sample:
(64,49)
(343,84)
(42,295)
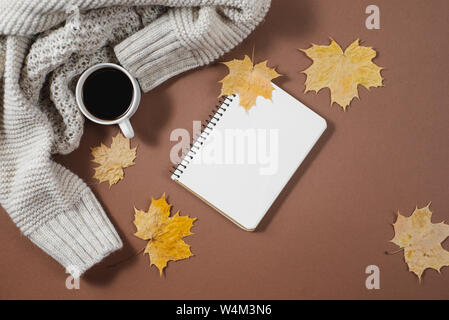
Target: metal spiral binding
(214,117)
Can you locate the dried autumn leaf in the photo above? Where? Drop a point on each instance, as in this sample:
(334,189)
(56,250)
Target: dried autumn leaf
(113,160)
(164,233)
(249,81)
(342,72)
(421,241)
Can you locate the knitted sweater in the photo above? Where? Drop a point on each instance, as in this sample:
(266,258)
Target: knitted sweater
(44,47)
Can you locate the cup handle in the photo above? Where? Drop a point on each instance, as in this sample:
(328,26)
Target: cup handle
(126,128)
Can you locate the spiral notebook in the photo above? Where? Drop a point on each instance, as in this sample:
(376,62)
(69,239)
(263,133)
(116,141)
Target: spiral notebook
(243,159)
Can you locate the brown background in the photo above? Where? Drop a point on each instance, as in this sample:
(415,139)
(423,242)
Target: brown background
(389,151)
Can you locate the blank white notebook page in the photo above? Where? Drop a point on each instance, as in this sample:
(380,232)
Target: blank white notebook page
(247,157)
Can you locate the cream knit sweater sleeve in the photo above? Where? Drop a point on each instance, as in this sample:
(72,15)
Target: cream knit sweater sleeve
(191,34)
(50,205)
(44,46)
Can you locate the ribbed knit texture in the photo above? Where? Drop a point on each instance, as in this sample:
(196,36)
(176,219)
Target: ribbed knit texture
(44,47)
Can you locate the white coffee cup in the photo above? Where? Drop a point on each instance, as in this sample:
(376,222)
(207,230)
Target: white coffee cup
(123,120)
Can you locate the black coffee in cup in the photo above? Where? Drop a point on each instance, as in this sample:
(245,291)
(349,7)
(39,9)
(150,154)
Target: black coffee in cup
(107,93)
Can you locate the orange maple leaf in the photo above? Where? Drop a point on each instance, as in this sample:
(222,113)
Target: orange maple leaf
(249,81)
(164,233)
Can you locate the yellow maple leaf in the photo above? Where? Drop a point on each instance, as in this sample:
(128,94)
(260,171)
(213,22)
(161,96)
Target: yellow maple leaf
(113,160)
(340,71)
(164,233)
(249,81)
(421,241)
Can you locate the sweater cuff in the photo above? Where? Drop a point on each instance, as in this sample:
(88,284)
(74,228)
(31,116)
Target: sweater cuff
(80,237)
(155,54)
